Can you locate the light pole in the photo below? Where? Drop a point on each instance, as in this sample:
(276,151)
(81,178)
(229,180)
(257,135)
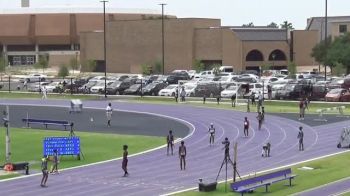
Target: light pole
(104,44)
(326,42)
(163,61)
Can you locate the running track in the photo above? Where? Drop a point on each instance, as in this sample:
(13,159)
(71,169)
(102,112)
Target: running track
(154,173)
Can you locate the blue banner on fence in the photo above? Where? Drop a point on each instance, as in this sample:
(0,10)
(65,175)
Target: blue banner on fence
(63,145)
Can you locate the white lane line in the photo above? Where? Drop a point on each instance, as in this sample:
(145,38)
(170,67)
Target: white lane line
(264,171)
(110,160)
(324,185)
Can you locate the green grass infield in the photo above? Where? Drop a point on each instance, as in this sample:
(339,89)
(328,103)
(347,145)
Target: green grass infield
(325,171)
(27,146)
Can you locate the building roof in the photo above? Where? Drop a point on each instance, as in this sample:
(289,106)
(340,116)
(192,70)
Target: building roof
(312,20)
(65,10)
(260,34)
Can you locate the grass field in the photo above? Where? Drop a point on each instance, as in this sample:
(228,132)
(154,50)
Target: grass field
(26,145)
(326,170)
(270,106)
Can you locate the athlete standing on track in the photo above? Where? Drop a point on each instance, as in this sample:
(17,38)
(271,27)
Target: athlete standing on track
(260,119)
(44,171)
(212,134)
(109,111)
(170,142)
(182,155)
(246,127)
(301,139)
(125,161)
(55,162)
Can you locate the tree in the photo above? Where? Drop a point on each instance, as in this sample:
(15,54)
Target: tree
(339,52)
(251,24)
(63,71)
(158,67)
(338,69)
(198,65)
(216,69)
(2,66)
(74,64)
(145,69)
(272,25)
(89,65)
(42,63)
(292,68)
(287,25)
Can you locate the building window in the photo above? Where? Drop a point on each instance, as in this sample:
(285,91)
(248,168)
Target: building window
(343,29)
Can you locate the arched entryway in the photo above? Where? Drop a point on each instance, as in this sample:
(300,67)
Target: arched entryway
(254,55)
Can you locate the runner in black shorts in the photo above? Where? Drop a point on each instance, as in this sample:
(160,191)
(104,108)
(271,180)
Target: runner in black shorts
(170,142)
(246,127)
(182,155)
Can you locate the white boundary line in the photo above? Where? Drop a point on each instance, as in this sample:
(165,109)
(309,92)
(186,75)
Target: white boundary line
(324,185)
(110,160)
(264,171)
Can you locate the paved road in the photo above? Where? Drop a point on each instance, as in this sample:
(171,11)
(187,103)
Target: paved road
(155,173)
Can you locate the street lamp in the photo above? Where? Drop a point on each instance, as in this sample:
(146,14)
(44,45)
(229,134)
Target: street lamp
(104,43)
(162,4)
(325,39)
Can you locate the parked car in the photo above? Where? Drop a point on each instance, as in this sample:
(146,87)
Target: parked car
(53,87)
(34,78)
(204,74)
(133,90)
(190,88)
(36,87)
(169,90)
(290,91)
(318,92)
(153,88)
(191,73)
(210,89)
(86,87)
(230,91)
(100,86)
(338,94)
(118,87)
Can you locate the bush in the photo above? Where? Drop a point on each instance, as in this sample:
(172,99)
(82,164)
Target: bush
(63,71)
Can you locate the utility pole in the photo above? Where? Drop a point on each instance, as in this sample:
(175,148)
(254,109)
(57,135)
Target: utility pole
(163,61)
(326,40)
(104,44)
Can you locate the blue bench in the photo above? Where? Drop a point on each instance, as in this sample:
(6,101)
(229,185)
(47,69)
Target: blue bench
(266,180)
(29,121)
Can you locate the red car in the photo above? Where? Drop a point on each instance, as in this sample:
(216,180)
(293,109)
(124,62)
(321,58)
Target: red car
(338,94)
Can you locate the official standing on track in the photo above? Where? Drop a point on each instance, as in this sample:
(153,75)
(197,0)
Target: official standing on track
(109,112)
(301,139)
(212,134)
(246,127)
(55,162)
(260,119)
(302,107)
(44,170)
(125,161)
(170,142)
(182,155)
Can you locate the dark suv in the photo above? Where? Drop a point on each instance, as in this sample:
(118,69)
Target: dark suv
(207,89)
(118,87)
(153,88)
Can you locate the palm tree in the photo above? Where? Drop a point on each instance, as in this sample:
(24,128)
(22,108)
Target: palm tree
(287,25)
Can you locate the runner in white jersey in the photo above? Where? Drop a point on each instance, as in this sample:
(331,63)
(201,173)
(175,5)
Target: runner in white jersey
(109,111)
(212,133)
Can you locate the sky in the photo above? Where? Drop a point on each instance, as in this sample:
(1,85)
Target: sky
(231,12)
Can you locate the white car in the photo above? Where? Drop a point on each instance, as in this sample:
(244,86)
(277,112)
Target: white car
(203,74)
(36,87)
(53,85)
(102,78)
(34,78)
(229,91)
(191,73)
(190,89)
(168,91)
(100,86)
